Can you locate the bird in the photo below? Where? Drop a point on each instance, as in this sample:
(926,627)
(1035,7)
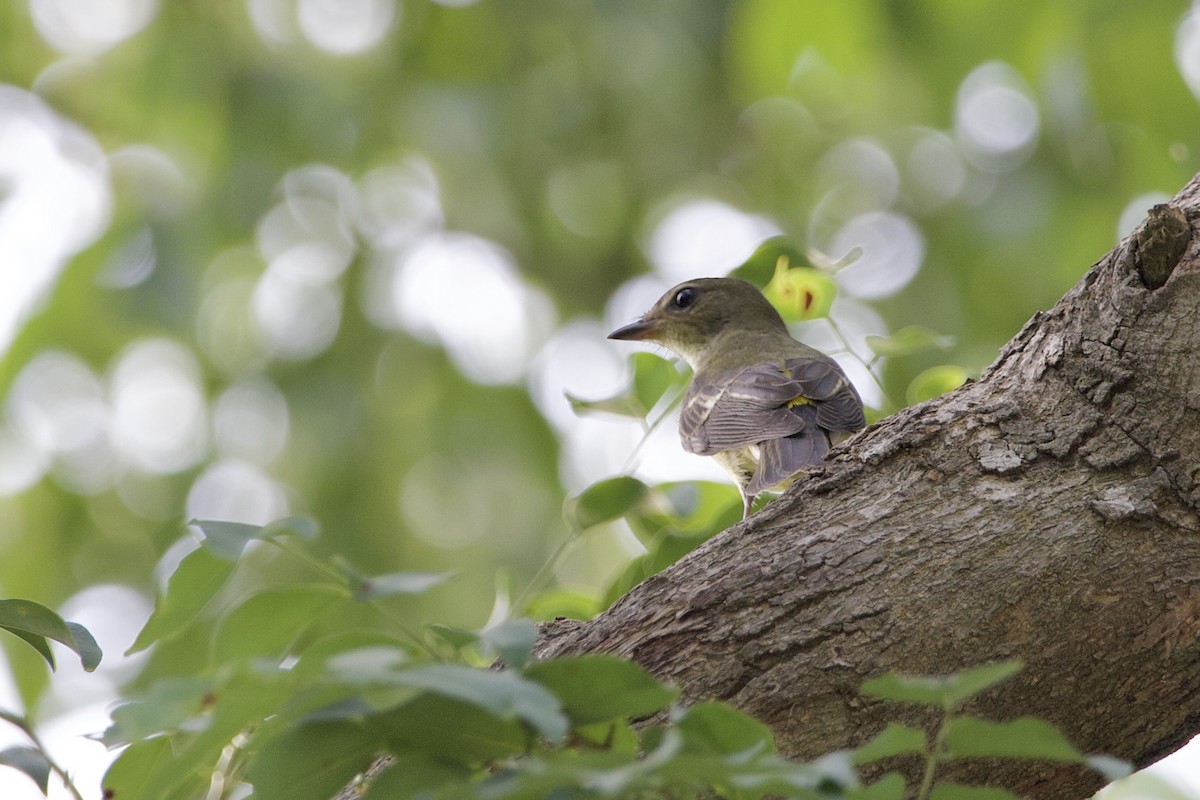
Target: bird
(765,406)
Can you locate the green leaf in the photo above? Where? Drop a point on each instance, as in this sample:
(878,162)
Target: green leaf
(653,375)
(599,687)
(890,787)
(760,267)
(30,761)
(197,579)
(965,684)
(908,341)
(39,643)
(85,645)
(559,601)
(512,641)
(800,293)
(948,691)
(503,694)
(395,583)
(935,381)
(621,405)
(894,740)
(34,623)
(229,539)
(127,776)
(265,624)
(716,728)
(446,728)
(165,706)
(311,762)
(242,700)
(1020,738)
(455,637)
(604,501)
(949,790)
(315,655)
(412,774)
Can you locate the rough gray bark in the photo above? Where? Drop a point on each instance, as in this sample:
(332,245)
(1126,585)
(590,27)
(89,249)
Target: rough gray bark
(1046,512)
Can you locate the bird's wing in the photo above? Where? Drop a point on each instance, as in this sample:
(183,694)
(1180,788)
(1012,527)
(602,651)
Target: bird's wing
(755,404)
(780,459)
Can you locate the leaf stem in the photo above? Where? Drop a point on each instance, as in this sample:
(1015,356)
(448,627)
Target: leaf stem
(27,728)
(934,757)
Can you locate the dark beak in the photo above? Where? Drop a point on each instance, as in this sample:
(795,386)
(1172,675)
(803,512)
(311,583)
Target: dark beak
(635,331)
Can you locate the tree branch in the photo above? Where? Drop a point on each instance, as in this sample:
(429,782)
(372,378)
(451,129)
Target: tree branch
(1046,512)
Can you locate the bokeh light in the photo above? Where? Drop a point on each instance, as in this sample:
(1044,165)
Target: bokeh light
(92,27)
(704,238)
(1187,49)
(251,421)
(231,489)
(339,27)
(464,292)
(56,201)
(893,249)
(996,119)
(159,412)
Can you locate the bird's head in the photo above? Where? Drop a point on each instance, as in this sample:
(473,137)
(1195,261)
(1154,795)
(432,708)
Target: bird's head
(689,317)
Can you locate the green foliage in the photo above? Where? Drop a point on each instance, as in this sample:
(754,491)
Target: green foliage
(30,760)
(961,736)
(37,625)
(298,715)
(559,134)
(303,714)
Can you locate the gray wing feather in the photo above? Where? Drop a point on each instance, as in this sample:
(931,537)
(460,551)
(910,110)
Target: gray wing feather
(749,405)
(780,459)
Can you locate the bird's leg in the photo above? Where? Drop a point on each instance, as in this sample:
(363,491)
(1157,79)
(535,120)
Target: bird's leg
(747,501)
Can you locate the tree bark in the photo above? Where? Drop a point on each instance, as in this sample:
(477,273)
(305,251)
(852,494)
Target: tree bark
(1046,512)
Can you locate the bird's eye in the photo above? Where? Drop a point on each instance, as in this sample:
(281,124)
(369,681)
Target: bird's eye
(685,297)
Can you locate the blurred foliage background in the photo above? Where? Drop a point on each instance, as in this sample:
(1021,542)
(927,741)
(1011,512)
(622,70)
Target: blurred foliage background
(343,258)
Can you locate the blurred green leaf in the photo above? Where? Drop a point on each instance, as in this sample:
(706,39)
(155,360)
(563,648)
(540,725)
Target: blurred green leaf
(949,790)
(414,775)
(599,687)
(908,341)
(934,382)
(719,729)
(604,501)
(559,601)
(503,694)
(800,293)
(197,579)
(511,641)
(127,776)
(948,691)
(229,539)
(267,622)
(314,655)
(762,264)
(34,623)
(890,787)
(165,706)
(894,740)
(653,375)
(624,404)
(30,761)
(969,737)
(393,584)
(442,727)
(311,762)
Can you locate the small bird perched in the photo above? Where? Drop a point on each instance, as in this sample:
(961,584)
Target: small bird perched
(765,406)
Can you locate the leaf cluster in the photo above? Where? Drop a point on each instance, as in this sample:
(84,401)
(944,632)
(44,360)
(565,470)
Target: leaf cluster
(297,714)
